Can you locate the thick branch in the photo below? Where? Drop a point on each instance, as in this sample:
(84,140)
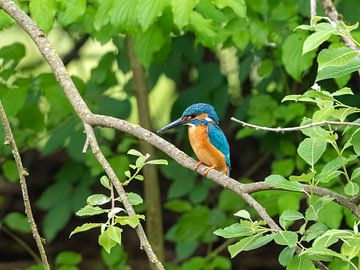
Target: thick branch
(9,140)
(76,101)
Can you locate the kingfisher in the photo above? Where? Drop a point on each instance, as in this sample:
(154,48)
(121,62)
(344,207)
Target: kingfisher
(207,140)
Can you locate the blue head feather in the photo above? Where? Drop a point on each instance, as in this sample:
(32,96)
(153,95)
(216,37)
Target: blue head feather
(202,108)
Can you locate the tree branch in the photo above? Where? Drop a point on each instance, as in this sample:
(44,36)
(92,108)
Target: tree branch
(78,104)
(9,140)
(288,129)
(313,8)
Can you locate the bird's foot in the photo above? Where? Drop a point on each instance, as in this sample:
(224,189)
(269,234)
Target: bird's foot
(206,171)
(197,165)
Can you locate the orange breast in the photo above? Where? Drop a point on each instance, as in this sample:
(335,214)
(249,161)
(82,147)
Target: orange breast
(204,150)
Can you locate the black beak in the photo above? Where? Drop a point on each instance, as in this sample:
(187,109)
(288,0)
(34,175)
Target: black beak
(173,124)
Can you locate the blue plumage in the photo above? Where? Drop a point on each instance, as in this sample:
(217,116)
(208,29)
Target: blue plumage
(206,138)
(217,138)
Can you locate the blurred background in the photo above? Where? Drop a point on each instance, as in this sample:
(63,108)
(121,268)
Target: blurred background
(242,58)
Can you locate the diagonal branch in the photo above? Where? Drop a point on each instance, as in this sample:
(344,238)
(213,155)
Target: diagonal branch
(9,140)
(77,103)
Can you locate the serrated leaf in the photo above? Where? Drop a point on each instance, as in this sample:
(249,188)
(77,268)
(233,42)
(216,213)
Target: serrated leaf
(106,242)
(249,243)
(74,10)
(149,10)
(243,214)
(338,71)
(294,61)
(98,199)
(114,233)
(132,221)
(286,238)
(279,181)
(43,12)
(181,11)
(311,149)
(351,189)
(90,210)
(104,180)
(286,255)
(238,6)
(335,57)
(315,40)
(289,215)
(134,152)
(134,199)
(312,213)
(85,227)
(158,162)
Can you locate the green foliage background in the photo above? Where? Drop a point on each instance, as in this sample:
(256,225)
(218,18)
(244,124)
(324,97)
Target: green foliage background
(180,43)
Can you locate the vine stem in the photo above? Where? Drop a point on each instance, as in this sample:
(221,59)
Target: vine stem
(9,140)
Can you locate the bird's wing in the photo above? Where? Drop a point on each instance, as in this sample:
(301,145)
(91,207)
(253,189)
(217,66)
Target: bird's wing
(217,138)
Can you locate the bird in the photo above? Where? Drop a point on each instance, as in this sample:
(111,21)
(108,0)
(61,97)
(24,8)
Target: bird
(207,140)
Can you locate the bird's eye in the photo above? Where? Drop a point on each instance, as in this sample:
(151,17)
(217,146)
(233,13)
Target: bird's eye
(193,115)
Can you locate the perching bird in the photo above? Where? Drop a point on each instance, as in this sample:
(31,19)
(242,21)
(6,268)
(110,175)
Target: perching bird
(206,138)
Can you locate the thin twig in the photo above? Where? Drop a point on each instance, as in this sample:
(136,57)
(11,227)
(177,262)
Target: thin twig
(122,194)
(288,129)
(9,140)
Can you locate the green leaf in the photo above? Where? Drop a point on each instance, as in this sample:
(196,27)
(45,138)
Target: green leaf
(74,10)
(5,20)
(286,238)
(134,152)
(235,230)
(102,14)
(279,181)
(148,43)
(243,214)
(85,227)
(300,263)
(355,174)
(114,233)
(158,162)
(355,140)
(289,215)
(330,237)
(294,61)
(338,71)
(149,10)
(238,6)
(314,231)
(106,242)
(179,206)
(315,40)
(351,189)
(98,199)
(335,57)
(306,178)
(312,213)
(10,171)
(311,149)
(249,243)
(343,91)
(181,11)
(204,29)
(134,199)
(122,14)
(104,180)
(17,222)
(43,12)
(90,210)
(132,221)
(286,255)
(68,258)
